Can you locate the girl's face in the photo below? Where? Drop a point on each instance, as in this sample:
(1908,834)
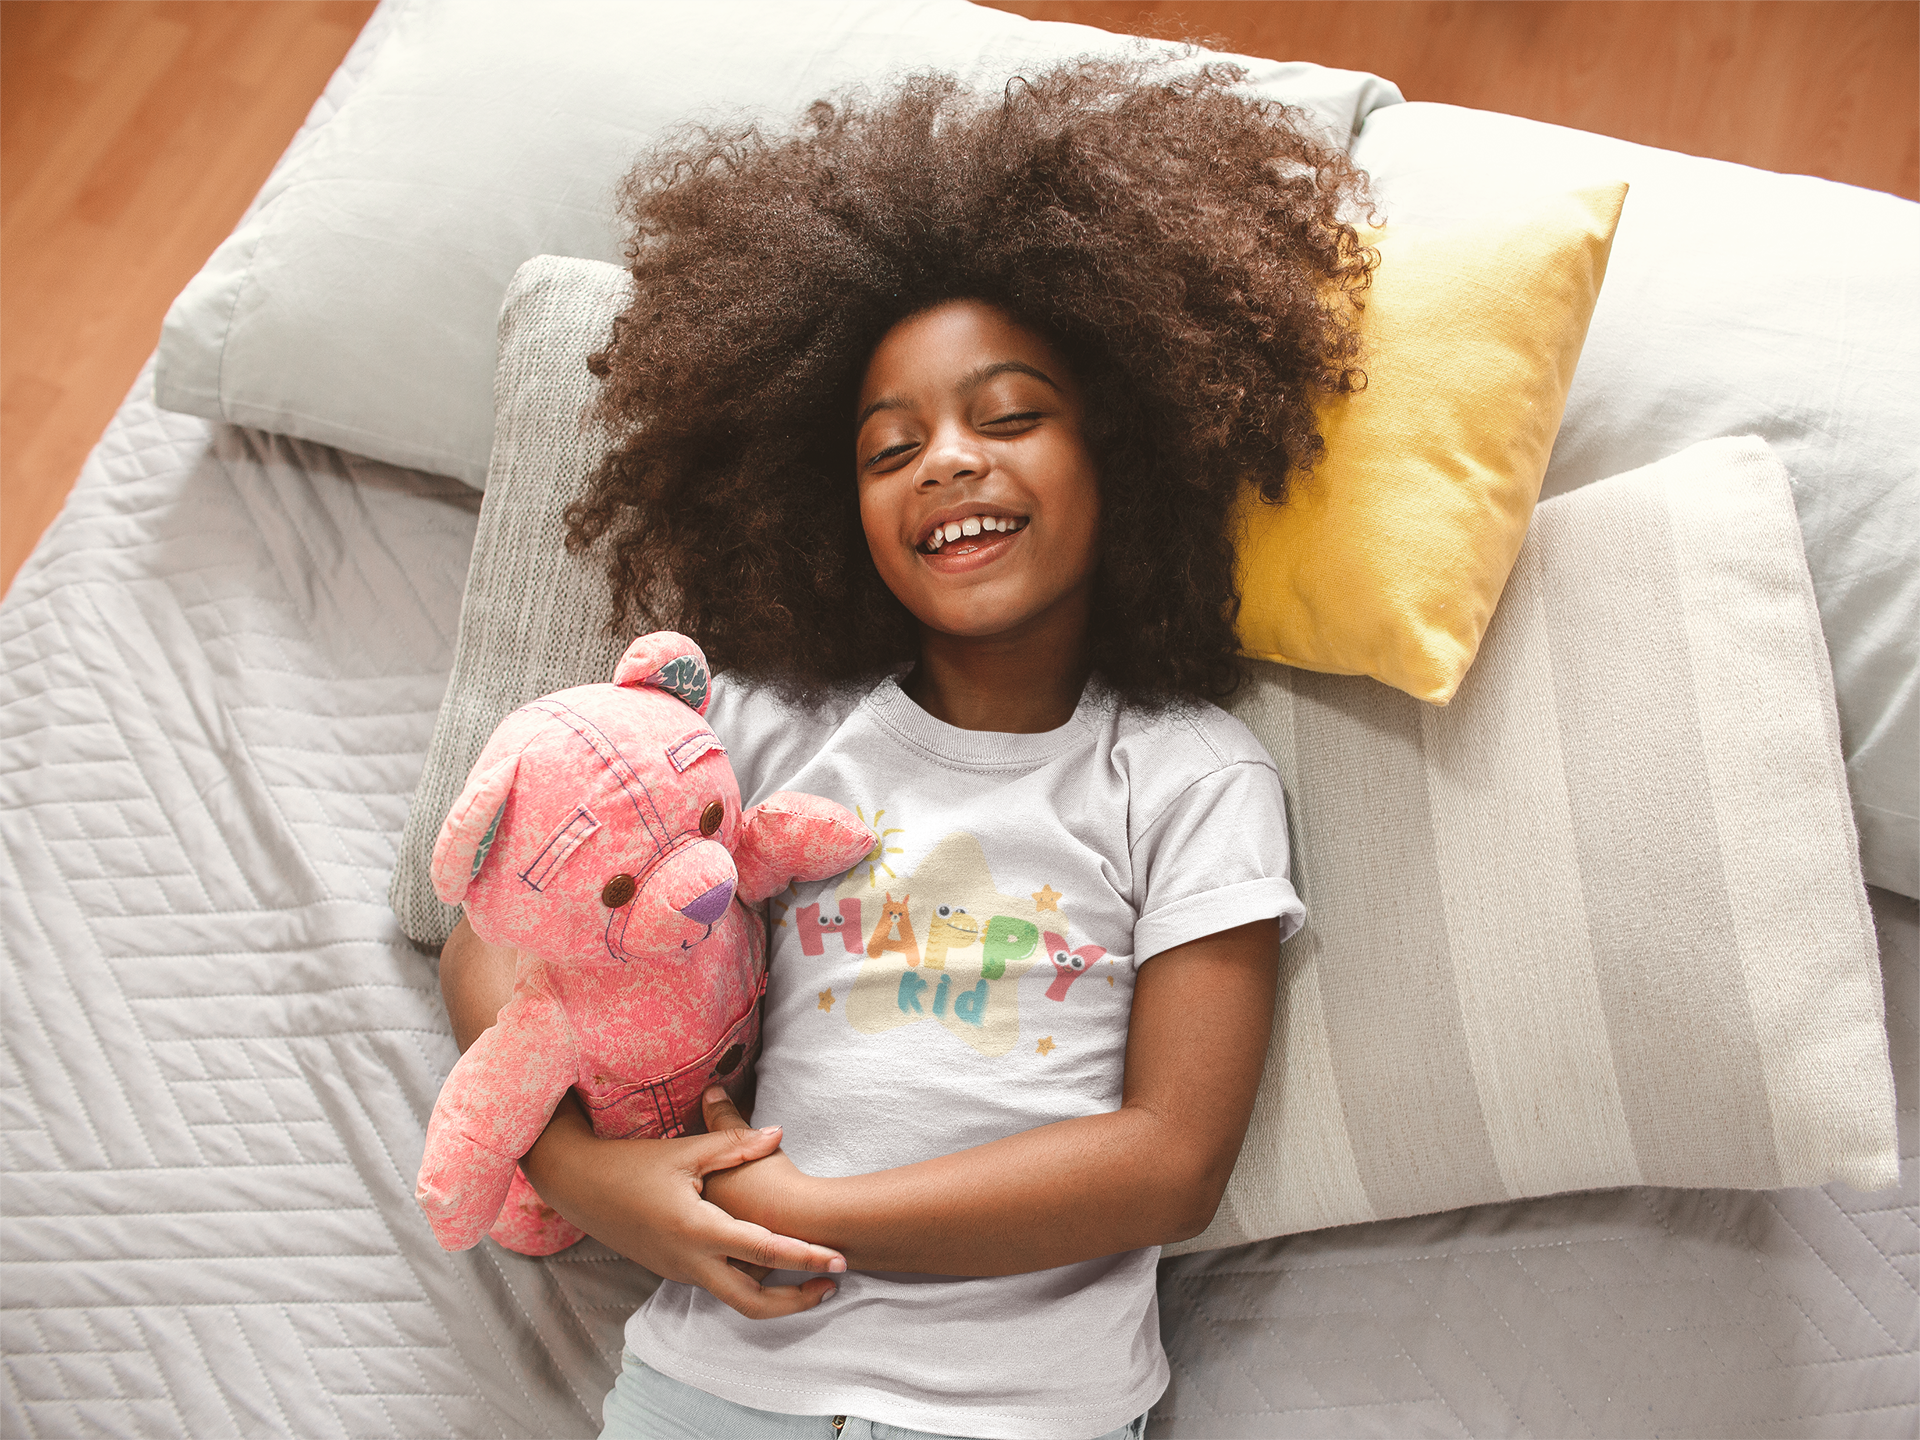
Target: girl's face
(978,496)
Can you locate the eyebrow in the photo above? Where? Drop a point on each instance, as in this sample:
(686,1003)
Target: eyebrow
(971,381)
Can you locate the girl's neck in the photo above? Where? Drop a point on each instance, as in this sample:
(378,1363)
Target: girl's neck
(1017,684)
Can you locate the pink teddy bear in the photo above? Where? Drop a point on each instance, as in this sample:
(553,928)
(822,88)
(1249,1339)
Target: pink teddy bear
(600,832)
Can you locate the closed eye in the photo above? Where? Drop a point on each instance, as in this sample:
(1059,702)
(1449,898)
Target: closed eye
(893,452)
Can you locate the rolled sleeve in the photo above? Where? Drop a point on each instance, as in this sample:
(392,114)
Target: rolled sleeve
(1214,858)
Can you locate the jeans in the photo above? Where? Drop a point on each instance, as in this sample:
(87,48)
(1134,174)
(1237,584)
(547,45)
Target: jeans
(645,1403)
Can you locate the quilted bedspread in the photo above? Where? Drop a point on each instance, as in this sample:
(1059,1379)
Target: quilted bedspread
(218,675)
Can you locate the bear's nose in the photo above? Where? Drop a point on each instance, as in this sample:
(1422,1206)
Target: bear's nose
(707,908)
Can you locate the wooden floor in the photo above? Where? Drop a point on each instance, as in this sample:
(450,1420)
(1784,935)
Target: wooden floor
(133,133)
(1811,87)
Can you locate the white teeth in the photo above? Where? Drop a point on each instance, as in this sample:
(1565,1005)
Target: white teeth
(972,525)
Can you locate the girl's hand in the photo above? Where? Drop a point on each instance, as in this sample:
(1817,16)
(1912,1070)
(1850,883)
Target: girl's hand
(1151,1172)
(645,1198)
(769,1188)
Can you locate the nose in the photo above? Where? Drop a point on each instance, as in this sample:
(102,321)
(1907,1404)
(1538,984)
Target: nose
(707,908)
(954,454)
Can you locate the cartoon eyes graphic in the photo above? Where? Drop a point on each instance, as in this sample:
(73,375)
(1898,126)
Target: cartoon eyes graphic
(1073,962)
(945,911)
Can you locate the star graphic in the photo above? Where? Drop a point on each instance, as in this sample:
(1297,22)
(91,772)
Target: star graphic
(1046,1046)
(826,999)
(1047,898)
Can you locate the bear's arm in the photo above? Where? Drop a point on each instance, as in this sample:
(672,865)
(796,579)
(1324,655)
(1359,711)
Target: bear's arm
(492,1108)
(790,836)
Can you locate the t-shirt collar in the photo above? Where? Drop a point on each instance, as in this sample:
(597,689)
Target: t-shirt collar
(984,749)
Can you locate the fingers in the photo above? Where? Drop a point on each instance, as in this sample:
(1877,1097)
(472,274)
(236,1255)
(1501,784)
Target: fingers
(763,1302)
(720,1111)
(729,1148)
(757,1245)
(729,1140)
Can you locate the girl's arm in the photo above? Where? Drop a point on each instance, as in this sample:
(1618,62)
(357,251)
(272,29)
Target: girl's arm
(643,1197)
(1149,1173)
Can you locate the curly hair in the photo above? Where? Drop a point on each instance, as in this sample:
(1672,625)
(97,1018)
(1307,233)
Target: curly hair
(1181,244)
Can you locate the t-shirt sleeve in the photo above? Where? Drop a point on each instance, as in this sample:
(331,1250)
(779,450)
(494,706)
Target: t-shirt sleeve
(1214,857)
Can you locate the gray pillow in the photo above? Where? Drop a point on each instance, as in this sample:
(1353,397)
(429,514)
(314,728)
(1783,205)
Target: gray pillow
(1598,922)
(534,618)
(354,305)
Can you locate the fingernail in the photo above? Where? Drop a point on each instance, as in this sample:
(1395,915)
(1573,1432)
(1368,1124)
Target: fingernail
(836,1266)
(716,1093)
(829,1293)
(769,1130)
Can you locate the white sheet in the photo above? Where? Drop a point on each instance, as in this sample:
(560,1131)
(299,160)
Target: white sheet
(218,674)
(217,679)
(221,669)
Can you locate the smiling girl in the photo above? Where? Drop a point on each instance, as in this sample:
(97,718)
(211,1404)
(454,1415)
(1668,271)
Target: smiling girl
(929,419)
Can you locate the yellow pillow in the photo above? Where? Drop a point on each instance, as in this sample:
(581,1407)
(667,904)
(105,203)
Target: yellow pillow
(1389,558)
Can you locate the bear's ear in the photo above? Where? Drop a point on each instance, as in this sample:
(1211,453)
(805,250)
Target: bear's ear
(470,828)
(666,661)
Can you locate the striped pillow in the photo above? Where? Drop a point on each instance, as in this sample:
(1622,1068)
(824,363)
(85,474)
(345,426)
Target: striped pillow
(1599,922)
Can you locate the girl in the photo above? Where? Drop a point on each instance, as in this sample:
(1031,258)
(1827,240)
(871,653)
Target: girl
(929,421)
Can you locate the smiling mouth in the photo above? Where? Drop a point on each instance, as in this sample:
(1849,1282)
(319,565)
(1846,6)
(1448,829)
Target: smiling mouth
(953,538)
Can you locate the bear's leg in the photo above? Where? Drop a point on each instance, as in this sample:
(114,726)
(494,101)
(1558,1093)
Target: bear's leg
(530,1226)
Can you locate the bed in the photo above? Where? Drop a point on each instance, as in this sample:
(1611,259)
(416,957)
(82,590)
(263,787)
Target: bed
(221,672)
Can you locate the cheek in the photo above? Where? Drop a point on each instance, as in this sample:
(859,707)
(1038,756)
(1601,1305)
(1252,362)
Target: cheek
(881,528)
(1079,506)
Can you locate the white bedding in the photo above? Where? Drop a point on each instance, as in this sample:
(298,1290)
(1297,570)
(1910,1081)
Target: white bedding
(217,679)
(218,674)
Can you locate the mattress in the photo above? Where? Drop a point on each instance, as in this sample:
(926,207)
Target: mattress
(218,675)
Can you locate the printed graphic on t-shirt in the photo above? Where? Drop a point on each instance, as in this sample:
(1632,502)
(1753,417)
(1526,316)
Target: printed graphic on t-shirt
(942,943)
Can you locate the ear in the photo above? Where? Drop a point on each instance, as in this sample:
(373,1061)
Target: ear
(470,828)
(666,661)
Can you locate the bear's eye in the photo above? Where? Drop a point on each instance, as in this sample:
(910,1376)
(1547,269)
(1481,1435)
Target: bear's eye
(711,817)
(618,891)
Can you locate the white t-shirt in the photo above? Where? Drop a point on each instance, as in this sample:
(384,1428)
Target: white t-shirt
(972,979)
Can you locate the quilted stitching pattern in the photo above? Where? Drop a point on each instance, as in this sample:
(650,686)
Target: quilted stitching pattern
(221,670)
(218,674)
